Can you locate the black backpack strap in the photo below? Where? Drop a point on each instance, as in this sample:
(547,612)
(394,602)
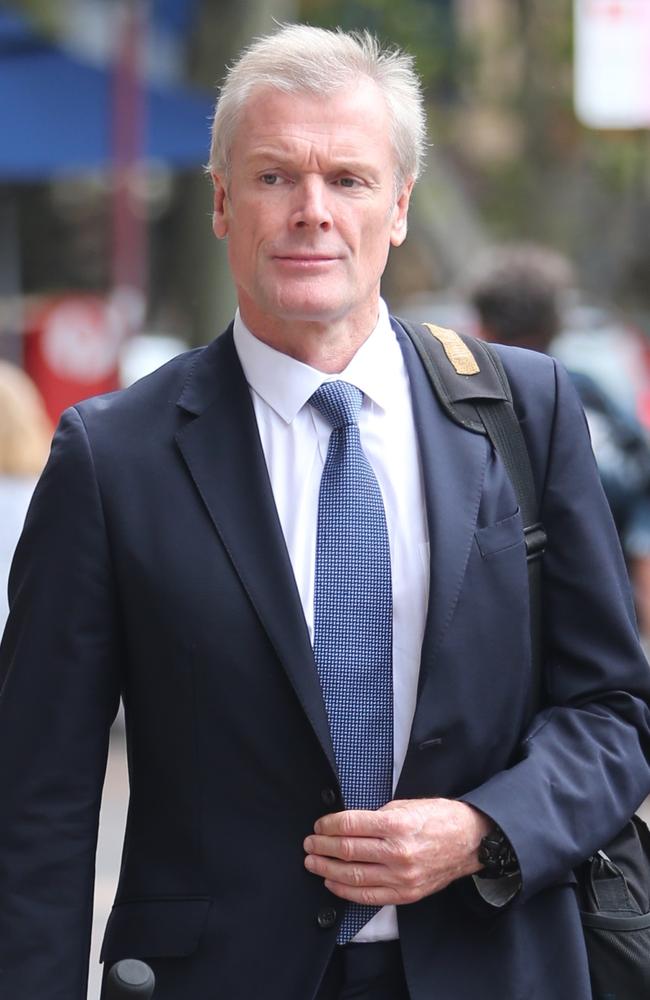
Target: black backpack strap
(471,384)
(461,370)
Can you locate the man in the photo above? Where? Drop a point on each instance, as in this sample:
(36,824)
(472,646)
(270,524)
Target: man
(518,293)
(310,589)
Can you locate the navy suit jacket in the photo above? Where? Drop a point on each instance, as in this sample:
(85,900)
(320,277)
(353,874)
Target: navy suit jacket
(153,565)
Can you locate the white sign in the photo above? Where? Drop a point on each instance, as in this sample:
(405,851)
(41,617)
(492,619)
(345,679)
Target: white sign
(612,63)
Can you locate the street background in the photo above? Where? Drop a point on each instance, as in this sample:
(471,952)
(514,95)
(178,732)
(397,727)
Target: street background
(539,132)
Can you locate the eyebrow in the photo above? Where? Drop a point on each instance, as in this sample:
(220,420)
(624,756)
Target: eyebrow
(274,156)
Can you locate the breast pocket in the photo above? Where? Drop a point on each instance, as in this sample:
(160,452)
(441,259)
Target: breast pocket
(505,534)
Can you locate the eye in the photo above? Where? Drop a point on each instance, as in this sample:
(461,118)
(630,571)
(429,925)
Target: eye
(269,179)
(348,182)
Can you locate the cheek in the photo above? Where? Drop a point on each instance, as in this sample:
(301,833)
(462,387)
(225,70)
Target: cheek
(241,240)
(233,252)
(249,266)
(375,241)
(239,256)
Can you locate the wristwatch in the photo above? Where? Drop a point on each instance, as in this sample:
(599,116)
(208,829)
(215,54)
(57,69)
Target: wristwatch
(496,854)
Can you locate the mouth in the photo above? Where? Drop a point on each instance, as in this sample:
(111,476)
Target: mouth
(305,260)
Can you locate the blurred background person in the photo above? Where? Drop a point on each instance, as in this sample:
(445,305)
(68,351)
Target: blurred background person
(25,433)
(519,292)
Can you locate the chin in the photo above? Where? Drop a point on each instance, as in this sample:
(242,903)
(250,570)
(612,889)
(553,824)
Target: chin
(310,309)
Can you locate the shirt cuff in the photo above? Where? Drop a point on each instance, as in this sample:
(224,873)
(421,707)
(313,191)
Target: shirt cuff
(498,891)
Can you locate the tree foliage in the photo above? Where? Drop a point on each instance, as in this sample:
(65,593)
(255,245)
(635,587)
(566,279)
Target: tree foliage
(498,76)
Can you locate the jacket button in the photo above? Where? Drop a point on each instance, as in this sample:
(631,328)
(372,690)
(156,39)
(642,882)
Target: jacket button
(329,797)
(326,918)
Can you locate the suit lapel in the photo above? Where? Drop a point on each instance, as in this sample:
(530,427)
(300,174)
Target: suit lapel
(222,449)
(223,453)
(453,467)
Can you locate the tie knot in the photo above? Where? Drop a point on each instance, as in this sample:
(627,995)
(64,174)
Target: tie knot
(338,402)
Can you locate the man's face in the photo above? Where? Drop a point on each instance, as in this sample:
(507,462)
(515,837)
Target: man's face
(310,209)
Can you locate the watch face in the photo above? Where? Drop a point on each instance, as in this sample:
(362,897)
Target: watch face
(495,853)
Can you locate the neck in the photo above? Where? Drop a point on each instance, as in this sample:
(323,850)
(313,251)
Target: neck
(326,346)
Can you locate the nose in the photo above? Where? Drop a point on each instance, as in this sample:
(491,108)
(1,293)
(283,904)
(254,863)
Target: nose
(311,208)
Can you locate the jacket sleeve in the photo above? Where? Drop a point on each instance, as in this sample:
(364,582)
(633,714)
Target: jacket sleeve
(59,692)
(583,765)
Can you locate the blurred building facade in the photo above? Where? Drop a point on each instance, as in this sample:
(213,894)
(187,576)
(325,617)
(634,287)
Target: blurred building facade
(508,158)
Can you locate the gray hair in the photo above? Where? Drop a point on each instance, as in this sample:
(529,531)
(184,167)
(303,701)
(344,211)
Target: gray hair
(301,59)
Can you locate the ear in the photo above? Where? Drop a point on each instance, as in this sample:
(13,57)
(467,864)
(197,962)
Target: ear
(220,213)
(400,214)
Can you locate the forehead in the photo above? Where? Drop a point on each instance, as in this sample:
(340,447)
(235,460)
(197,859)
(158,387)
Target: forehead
(351,120)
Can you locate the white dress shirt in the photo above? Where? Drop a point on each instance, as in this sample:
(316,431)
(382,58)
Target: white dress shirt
(295,439)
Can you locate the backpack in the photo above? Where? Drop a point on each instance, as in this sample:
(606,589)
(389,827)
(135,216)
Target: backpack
(613,886)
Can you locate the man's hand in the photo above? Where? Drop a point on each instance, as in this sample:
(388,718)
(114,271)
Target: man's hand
(404,851)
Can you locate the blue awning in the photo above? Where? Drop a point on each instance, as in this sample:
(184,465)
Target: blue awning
(56,114)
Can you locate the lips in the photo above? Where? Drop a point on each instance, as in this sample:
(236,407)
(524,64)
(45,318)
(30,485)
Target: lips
(306,263)
(306,258)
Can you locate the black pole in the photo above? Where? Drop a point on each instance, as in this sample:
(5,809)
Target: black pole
(130,978)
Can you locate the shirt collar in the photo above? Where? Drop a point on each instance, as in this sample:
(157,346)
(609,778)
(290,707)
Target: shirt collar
(286,384)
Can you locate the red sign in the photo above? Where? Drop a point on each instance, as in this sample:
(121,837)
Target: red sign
(72,345)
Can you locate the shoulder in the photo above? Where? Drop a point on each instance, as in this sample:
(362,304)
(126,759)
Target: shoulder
(136,426)
(539,384)
(160,387)
(524,367)
(159,402)
(547,405)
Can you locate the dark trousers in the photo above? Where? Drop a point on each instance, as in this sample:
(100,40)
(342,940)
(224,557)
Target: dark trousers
(365,972)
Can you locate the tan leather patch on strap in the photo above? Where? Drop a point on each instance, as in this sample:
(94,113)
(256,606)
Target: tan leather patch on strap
(456,350)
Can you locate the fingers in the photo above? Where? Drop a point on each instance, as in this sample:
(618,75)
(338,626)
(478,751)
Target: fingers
(349,848)
(358,823)
(370,884)
(356,875)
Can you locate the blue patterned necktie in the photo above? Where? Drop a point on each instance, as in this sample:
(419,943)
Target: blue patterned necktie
(353,617)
